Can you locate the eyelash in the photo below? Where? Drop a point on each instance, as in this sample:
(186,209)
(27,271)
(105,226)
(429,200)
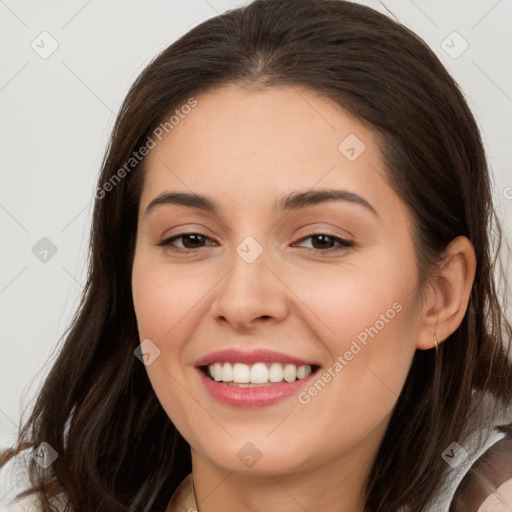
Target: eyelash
(343,244)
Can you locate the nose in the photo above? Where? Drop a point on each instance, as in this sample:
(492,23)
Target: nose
(250,294)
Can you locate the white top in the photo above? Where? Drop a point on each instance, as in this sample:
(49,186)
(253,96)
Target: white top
(14,474)
(461,462)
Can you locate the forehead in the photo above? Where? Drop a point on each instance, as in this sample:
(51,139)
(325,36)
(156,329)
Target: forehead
(286,122)
(262,143)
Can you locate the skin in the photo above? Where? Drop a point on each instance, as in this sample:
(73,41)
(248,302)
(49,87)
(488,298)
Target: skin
(499,501)
(245,149)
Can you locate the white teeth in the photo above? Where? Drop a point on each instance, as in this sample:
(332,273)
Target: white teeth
(241,373)
(258,373)
(290,372)
(227,372)
(303,371)
(276,372)
(217,372)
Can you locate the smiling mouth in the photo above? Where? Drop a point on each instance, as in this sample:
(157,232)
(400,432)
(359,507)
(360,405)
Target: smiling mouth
(257,374)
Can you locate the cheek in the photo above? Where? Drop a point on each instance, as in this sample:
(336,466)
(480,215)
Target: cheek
(360,304)
(164,299)
(366,320)
(164,305)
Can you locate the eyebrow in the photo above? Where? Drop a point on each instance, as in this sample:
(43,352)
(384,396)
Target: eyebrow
(293,201)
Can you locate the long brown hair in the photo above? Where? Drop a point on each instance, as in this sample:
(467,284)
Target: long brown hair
(117,449)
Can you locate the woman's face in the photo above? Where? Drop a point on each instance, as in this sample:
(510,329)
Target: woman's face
(262,268)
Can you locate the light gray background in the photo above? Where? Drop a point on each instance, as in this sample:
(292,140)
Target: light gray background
(56,115)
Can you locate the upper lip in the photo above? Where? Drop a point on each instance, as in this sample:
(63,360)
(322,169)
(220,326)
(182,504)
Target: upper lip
(233,355)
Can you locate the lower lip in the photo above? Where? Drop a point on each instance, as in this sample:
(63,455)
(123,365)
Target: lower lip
(260,396)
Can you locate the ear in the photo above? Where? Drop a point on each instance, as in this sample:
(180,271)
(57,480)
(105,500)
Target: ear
(448,294)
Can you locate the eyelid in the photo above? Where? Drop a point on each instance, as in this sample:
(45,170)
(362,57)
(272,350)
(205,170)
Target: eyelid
(342,242)
(166,240)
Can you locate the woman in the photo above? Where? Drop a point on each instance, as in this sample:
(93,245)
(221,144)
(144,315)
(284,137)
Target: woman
(291,300)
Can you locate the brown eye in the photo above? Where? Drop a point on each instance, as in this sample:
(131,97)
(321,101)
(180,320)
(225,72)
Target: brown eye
(325,242)
(189,241)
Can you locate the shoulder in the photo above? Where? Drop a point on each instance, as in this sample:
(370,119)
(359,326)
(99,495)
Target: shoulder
(14,479)
(477,443)
(487,485)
